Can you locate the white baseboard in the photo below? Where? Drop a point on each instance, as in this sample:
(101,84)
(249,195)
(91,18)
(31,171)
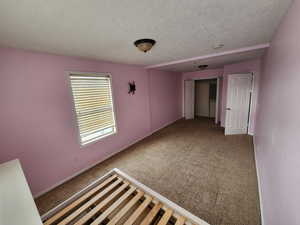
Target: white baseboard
(107,157)
(258,182)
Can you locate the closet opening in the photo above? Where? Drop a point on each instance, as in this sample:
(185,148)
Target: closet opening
(206,99)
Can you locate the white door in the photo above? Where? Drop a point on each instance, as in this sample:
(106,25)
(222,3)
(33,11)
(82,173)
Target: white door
(189,99)
(238,103)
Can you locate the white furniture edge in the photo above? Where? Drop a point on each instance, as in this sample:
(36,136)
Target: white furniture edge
(167,202)
(16,202)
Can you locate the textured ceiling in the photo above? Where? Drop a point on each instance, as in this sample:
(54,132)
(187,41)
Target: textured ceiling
(106,29)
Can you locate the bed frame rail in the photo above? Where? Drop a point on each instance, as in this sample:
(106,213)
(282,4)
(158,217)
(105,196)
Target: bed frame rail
(115,199)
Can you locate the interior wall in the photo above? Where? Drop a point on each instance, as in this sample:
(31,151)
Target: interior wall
(277,136)
(37,118)
(202,99)
(204,106)
(165,98)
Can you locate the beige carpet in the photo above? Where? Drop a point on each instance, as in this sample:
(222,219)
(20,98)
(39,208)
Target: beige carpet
(193,164)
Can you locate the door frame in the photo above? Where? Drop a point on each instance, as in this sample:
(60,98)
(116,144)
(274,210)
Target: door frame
(253,101)
(250,100)
(218,77)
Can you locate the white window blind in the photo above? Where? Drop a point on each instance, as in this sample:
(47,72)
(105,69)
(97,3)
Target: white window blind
(93,105)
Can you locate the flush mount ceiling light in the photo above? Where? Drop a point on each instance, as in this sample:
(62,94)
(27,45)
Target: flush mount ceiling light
(218,45)
(202,67)
(144,44)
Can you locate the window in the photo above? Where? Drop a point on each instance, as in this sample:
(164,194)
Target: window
(93,105)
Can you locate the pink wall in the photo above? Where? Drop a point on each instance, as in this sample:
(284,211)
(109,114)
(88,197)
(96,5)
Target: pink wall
(277,136)
(165,87)
(36,113)
(252,66)
(206,74)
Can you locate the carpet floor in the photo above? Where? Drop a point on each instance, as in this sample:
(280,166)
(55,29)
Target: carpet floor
(190,162)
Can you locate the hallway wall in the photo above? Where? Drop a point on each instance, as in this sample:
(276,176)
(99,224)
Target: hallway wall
(165,98)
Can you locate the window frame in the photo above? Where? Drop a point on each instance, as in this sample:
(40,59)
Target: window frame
(75,117)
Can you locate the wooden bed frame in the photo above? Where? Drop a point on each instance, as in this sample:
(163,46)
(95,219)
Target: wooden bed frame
(117,198)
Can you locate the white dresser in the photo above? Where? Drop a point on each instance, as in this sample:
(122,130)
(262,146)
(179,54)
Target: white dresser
(16,202)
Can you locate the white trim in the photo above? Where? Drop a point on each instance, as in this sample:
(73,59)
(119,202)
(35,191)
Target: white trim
(250,133)
(251,103)
(258,183)
(101,160)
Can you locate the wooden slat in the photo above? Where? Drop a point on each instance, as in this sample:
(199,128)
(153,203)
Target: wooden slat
(125,209)
(138,211)
(84,207)
(165,218)
(78,201)
(91,213)
(148,219)
(180,220)
(113,206)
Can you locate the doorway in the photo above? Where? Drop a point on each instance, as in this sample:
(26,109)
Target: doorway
(206,98)
(212,92)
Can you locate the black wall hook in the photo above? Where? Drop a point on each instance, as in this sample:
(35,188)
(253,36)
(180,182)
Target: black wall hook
(131,87)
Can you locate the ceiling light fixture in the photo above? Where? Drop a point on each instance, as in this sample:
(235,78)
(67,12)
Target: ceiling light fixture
(218,45)
(144,44)
(202,67)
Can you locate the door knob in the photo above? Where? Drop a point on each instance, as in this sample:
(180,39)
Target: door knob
(228,108)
